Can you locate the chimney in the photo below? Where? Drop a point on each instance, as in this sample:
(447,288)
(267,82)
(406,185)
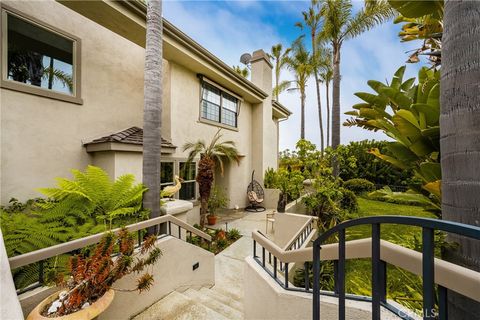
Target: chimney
(264,129)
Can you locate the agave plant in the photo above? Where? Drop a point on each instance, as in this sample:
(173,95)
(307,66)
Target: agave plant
(409,114)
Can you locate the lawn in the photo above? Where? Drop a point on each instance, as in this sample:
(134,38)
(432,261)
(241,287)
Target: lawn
(402,286)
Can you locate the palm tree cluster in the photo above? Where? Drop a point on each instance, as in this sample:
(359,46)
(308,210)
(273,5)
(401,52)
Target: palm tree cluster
(329,24)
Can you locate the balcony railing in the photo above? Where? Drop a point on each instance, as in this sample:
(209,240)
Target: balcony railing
(39,256)
(446,275)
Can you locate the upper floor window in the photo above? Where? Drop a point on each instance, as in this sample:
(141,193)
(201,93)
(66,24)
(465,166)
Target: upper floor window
(38,59)
(219,106)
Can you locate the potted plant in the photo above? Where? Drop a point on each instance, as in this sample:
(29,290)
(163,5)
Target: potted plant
(217,200)
(88,291)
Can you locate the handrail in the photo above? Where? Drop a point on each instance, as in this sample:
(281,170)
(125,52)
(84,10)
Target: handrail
(379,266)
(449,275)
(301,231)
(49,252)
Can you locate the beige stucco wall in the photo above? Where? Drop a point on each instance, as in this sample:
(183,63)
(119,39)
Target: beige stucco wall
(41,138)
(265,299)
(286,226)
(173,271)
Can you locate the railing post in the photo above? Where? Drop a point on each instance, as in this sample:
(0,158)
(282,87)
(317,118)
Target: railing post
(383,281)
(306,275)
(254,248)
(286,274)
(376,280)
(179,233)
(275,267)
(341,274)
(41,279)
(169,227)
(428,273)
(442,303)
(263,257)
(316,282)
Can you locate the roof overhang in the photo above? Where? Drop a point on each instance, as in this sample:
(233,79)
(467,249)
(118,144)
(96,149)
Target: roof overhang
(128,19)
(280,111)
(124,147)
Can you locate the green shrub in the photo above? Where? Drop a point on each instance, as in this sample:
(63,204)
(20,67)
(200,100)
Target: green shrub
(349,200)
(270,179)
(233,234)
(218,199)
(359,186)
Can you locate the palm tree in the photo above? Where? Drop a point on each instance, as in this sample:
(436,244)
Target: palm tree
(460,147)
(280,61)
(216,153)
(339,25)
(326,77)
(300,62)
(312,19)
(244,72)
(152,112)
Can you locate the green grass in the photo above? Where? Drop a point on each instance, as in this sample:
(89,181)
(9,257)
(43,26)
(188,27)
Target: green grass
(393,233)
(402,286)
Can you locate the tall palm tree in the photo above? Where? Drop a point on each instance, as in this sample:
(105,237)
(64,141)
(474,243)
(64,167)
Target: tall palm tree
(459,143)
(326,77)
(216,153)
(152,112)
(280,60)
(341,24)
(312,20)
(300,62)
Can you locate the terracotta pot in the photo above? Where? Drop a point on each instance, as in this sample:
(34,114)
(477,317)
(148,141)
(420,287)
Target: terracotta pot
(88,313)
(211,220)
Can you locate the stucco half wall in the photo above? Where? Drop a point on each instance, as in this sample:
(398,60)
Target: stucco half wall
(173,271)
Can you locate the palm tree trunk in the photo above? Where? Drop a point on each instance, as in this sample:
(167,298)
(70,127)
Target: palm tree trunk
(319,102)
(459,132)
(302,120)
(336,104)
(277,75)
(328,111)
(152,114)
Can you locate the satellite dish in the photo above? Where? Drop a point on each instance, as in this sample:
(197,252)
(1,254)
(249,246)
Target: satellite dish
(245,58)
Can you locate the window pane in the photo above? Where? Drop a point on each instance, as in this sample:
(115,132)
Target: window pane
(229,102)
(211,94)
(166,172)
(210,111)
(229,117)
(39,57)
(187,192)
(187,172)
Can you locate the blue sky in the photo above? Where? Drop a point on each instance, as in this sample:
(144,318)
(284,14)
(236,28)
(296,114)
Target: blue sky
(230,28)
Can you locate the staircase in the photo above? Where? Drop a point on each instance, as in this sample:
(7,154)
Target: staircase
(195,304)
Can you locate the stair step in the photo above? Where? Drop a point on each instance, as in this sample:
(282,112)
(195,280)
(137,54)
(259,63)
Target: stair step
(228,293)
(178,306)
(214,304)
(234,303)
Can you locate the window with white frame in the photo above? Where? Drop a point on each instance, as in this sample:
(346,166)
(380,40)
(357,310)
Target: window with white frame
(170,169)
(38,59)
(218,106)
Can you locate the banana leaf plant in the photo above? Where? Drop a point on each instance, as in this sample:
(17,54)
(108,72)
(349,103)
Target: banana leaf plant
(409,114)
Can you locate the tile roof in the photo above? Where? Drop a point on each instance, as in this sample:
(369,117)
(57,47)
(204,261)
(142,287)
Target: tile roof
(133,135)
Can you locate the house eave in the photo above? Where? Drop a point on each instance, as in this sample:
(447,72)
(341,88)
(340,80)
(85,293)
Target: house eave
(128,19)
(123,147)
(280,111)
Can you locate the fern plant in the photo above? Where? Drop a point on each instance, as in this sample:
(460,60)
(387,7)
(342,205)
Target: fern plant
(91,198)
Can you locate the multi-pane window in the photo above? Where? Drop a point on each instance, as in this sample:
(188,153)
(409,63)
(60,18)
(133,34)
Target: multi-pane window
(219,106)
(169,169)
(39,57)
(187,173)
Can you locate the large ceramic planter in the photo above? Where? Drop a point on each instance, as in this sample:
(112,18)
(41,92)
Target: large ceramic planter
(88,313)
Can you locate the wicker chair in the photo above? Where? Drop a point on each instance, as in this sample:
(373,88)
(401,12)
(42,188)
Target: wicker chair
(255,195)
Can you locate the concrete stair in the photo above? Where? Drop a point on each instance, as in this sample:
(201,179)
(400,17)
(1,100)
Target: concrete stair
(194,304)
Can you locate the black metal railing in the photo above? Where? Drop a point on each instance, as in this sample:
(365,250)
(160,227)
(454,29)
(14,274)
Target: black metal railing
(379,277)
(301,236)
(40,257)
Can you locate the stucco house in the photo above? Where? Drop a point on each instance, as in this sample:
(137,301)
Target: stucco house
(72,95)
